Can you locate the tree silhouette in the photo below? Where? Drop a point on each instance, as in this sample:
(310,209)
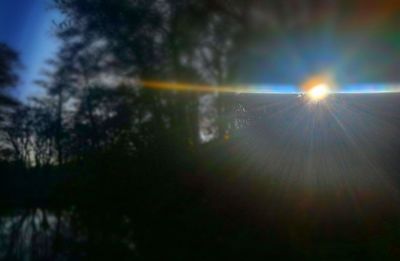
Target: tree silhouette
(9,62)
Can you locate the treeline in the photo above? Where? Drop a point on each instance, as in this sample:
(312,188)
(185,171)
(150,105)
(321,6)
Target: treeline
(94,99)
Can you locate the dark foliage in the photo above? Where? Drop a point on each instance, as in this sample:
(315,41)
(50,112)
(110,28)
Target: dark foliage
(9,62)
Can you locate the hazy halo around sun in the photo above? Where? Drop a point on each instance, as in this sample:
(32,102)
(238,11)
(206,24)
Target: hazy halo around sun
(318,87)
(319,92)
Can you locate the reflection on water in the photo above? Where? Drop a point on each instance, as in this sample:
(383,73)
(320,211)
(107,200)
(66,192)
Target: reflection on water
(33,234)
(43,234)
(230,230)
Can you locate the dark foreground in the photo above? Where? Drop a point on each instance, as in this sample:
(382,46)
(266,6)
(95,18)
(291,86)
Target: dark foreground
(326,192)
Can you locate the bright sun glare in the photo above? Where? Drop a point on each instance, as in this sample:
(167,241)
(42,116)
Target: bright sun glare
(319,92)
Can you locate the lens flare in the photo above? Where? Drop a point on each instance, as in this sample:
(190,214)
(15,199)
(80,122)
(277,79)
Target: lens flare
(319,92)
(316,88)
(227,89)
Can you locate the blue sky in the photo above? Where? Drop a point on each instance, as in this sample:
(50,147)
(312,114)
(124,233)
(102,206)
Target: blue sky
(26,26)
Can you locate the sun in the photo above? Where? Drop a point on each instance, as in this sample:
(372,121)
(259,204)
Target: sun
(318,87)
(319,92)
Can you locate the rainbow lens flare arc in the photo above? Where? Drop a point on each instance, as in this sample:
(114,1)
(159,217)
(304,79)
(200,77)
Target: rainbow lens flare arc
(315,92)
